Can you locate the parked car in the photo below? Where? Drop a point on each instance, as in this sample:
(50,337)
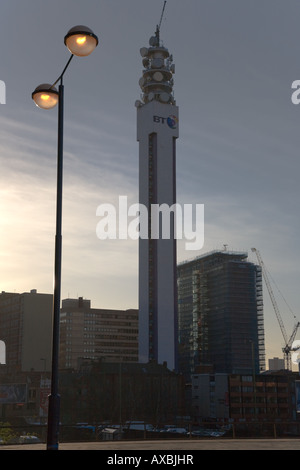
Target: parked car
(174,430)
(28,439)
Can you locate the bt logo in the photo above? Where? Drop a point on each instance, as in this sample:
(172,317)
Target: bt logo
(172,121)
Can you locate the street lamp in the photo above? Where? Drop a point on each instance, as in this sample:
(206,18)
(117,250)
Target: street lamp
(81,41)
(253,376)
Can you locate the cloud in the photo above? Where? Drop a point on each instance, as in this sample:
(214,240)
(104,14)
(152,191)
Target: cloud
(92,175)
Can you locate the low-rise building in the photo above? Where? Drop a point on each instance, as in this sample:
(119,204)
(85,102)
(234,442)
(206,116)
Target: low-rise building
(120,392)
(276,364)
(245,397)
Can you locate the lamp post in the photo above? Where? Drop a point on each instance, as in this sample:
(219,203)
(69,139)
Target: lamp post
(253,376)
(80,41)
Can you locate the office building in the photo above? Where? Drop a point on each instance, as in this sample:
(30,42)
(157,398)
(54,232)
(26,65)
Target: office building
(276,364)
(26,330)
(157,131)
(220,315)
(92,333)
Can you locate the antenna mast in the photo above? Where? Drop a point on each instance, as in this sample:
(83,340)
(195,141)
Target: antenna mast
(161,18)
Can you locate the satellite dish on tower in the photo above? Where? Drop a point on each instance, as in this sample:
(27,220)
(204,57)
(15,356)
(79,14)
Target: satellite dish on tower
(154,41)
(142,82)
(158,76)
(145,62)
(157,63)
(165,97)
(144,51)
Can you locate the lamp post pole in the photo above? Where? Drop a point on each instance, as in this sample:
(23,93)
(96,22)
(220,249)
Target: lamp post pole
(253,378)
(54,397)
(80,41)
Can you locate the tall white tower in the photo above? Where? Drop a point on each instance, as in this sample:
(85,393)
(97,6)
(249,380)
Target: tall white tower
(157,131)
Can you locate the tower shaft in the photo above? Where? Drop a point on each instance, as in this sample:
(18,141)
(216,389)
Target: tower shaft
(157,134)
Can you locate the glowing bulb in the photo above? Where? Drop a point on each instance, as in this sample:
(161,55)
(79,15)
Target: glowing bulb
(45,97)
(81,40)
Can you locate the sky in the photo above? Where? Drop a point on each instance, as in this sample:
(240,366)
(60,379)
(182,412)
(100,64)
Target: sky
(237,153)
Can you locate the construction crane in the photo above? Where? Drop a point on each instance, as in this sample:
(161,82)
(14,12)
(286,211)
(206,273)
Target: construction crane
(287,341)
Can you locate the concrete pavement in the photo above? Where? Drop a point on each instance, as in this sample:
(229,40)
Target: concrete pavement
(171,445)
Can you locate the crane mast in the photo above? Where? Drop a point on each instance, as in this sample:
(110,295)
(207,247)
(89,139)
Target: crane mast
(287,341)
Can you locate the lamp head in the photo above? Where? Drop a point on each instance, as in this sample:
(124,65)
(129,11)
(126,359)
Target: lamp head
(81,41)
(45,96)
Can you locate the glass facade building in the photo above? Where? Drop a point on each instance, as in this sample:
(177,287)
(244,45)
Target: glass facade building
(220,315)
